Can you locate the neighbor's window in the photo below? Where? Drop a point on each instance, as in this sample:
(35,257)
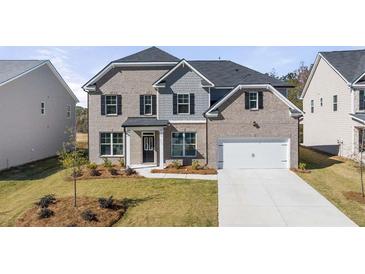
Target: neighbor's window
(147,104)
(361,100)
(111,144)
(321,102)
(312,106)
(111,104)
(253,100)
(334,102)
(183,144)
(361,142)
(68,111)
(43,108)
(183,103)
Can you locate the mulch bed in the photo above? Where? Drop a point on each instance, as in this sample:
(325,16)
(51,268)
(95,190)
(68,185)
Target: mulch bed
(104,173)
(65,214)
(186,170)
(300,170)
(354,196)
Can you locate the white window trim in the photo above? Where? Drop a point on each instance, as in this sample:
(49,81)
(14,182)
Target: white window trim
(68,112)
(144,105)
(183,145)
(177,99)
(43,108)
(111,145)
(257,100)
(361,110)
(335,103)
(312,106)
(106,105)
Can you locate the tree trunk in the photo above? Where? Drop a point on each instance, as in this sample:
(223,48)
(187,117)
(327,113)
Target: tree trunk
(74,176)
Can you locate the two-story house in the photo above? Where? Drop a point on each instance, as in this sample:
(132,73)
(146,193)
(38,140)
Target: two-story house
(152,108)
(37,108)
(334,103)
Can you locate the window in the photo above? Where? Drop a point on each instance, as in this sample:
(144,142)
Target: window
(312,106)
(68,111)
(321,102)
(147,104)
(43,108)
(361,142)
(111,144)
(183,103)
(111,105)
(253,100)
(334,102)
(183,144)
(361,100)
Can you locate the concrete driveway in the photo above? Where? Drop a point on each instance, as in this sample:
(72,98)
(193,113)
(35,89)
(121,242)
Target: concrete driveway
(273,197)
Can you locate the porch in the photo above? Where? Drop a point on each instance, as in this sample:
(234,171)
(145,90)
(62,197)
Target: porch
(144,142)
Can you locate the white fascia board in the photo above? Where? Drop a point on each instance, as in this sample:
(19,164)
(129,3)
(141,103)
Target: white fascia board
(358,86)
(358,79)
(121,64)
(187,121)
(357,119)
(260,86)
(54,71)
(182,62)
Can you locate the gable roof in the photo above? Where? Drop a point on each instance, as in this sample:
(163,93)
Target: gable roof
(10,70)
(224,73)
(152,54)
(349,63)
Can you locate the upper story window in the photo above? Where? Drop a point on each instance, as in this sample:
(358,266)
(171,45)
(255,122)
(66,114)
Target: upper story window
(253,100)
(312,106)
(183,103)
(183,144)
(43,108)
(111,105)
(321,102)
(335,107)
(147,104)
(361,100)
(111,144)
(68,111)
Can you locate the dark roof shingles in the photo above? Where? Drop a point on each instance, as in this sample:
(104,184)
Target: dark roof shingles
(152,54)
(12,68)
(144,121)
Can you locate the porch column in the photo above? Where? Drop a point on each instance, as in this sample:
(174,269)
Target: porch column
(128,148)
(161,149)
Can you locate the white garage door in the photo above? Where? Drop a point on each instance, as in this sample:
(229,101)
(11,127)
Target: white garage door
(253,153)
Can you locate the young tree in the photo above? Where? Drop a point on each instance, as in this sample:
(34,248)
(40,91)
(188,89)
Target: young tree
(72,158)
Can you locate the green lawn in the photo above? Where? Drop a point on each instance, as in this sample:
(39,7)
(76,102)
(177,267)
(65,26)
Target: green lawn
(160,202)
(332,177)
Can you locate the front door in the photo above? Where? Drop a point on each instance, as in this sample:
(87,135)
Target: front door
(148,148)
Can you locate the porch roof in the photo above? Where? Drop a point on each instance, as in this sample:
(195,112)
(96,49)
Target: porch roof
(144,122)
(360,117)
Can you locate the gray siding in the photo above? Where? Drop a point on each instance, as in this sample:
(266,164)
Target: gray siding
(26,135)
(183,80)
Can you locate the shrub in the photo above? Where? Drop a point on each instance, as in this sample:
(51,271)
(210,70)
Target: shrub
(129,171)
(107,163)
(46,200)
(121,162)
(45,213)
(88,215)
(93,169)
(302,166)
(195,165)
(176,164)
(106,203)
(112,171)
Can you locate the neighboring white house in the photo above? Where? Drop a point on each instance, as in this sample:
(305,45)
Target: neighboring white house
(36,108)
(334,103)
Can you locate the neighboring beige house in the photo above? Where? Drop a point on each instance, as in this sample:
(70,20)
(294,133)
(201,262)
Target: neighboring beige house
(334,103)
(151,108)
(36,108)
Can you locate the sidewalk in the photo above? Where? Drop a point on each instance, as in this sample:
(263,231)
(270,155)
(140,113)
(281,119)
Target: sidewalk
(146,172)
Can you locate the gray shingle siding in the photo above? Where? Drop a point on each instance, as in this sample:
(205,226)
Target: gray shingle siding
(181,81)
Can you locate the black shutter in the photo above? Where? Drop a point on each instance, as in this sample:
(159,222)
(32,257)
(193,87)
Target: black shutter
(102,104)
(119,104)
(261,100)
(247,103)
(141,104)
(154,105)
(192,103)
(174,103)
(361,100)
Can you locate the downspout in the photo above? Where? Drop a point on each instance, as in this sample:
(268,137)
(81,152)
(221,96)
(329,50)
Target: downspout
(88,127)
(206,141)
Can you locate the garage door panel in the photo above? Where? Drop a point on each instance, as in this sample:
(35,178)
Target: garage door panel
(254,154)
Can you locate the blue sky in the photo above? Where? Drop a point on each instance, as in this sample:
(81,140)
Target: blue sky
(78,64)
